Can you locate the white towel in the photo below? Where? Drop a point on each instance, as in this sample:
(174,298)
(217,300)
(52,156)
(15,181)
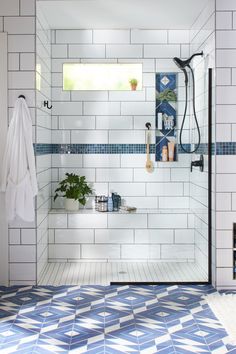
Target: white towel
(18,170)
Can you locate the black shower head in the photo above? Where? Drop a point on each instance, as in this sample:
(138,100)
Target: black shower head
(183,63)
(180,63)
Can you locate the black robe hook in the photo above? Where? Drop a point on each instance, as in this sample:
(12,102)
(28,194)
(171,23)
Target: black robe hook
(21,96)
(46,104)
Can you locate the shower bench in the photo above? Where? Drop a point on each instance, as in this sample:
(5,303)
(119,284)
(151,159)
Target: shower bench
(146,234)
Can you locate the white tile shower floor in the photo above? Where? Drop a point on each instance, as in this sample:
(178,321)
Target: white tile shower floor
(98,273)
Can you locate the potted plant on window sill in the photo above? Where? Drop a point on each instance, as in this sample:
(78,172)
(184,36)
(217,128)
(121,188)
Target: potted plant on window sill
(133,84)
(75,189)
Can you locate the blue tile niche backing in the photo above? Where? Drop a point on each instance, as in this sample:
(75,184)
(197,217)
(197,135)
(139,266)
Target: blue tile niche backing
(166,98)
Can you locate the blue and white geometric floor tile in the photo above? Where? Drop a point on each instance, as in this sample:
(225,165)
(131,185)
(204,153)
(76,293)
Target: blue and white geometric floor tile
(110,320)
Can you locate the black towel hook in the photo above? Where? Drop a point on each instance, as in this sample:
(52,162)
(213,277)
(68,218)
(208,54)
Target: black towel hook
(46,104)
(148,125)
(21,96)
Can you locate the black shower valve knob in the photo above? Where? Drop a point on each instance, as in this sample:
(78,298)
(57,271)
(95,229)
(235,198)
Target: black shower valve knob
(198,163)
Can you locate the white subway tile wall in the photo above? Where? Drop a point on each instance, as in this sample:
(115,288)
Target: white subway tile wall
(146,235)
(133,108)
(118,117)
(115,117)
(225,129)
(18,19)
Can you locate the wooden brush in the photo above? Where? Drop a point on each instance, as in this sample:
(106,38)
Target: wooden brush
(149,163)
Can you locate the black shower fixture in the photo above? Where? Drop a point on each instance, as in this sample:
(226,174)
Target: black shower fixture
(182,65)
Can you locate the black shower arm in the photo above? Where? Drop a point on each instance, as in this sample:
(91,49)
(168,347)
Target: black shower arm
(195,55)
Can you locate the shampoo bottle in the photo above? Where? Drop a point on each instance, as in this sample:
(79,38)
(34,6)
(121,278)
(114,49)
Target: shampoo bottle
(159,121)
(164,153)
(110,203)
(171,150)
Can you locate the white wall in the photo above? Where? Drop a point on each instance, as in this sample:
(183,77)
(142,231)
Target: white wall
(3,133)
(116,117)
(113,117)
(225,132)
(17,19)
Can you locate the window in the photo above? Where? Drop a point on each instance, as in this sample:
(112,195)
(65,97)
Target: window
(101,76)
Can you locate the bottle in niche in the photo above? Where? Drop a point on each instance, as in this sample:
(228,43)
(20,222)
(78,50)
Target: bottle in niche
(110,203)
(164,153)
(96,202)
(102,205)
(159,121)
(171,150)
(116,201)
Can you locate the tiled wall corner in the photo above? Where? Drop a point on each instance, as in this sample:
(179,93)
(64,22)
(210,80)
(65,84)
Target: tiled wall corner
(202,36)
(43,136)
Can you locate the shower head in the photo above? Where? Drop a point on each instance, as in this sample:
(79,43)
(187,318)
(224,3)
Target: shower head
(181,66)
(180,63)
(183,63)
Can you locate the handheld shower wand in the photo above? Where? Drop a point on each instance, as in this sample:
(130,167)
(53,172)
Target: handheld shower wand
(182,64)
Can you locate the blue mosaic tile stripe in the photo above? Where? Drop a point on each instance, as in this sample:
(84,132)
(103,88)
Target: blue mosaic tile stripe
(220,148)
(203,148)
(102,148)
(226,148)
(43,149)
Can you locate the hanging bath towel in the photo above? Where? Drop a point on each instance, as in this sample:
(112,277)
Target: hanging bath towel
(18,171)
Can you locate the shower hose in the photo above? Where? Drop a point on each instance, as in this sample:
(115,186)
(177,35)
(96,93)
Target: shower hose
(194,114)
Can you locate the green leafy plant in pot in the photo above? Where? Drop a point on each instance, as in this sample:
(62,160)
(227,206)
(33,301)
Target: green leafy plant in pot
(75,189)
(166,95)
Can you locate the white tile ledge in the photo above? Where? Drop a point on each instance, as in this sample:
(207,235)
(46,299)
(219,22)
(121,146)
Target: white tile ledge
(138,211)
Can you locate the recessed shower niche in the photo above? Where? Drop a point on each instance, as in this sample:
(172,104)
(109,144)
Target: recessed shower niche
(166,116)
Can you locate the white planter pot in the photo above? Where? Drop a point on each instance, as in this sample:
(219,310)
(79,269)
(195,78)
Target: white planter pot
(71,204)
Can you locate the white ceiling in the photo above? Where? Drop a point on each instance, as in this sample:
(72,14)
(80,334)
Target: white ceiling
(103,14)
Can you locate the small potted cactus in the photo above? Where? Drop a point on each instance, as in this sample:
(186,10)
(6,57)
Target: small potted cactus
(133,84)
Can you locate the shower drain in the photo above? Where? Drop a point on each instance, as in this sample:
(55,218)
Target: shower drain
(122,272)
